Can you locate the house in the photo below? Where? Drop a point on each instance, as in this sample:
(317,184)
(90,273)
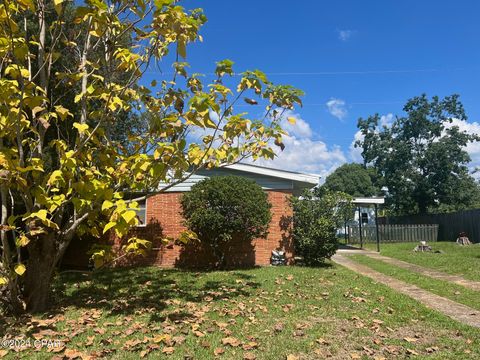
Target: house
(160,216)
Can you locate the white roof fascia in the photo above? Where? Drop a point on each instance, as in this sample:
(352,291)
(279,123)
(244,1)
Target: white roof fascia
(289,175)
(369,200)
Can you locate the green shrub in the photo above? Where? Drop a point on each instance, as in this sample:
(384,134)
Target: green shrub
(317,216)
(226,209)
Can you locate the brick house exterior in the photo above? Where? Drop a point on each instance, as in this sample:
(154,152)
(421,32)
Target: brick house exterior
(163,219)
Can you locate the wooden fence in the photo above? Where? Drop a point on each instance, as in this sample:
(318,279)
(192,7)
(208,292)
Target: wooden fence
(394,233)
(450,225)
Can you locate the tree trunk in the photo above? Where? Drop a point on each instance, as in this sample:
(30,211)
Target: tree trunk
(38,277)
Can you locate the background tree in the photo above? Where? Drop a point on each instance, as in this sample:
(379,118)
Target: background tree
(353,179)
(422,157)
(68,74)
(225,210)
(317,215)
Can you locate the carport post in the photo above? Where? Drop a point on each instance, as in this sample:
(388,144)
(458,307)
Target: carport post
(376,228)
(360,226)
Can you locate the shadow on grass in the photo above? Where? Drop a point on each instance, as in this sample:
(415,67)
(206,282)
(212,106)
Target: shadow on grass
(128,290)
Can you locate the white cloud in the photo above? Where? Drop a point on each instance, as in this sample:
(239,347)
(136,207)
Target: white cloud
(345,35)
(387,120)
(306,155)
(301,128)
(472,148)
(303,152)
(356,152)
(337,108)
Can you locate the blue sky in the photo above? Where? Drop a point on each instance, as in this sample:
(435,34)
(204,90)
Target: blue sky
(352,58)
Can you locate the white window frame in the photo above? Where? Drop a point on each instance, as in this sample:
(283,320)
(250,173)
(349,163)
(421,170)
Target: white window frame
(136,211)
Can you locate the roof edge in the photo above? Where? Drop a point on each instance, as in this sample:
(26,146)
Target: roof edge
(283,174)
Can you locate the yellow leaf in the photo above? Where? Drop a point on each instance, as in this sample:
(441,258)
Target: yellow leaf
(80,127)
(29,4)
(54,177)
(22,241)
(78,97)
(41,214)
(106,205)
(20,269)
(109,226)
(129,215)
(292,120)
(3,280)
(62,112)
(58,6)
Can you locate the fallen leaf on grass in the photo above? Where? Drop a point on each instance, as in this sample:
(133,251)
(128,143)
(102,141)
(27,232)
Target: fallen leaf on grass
(178,340)
(292,357)
(249,356)
(168,350)
(71,354)
(55,349)
(218,351)
(412,352)
(278,327)
(90,340)
(322,341)
(410,340)
(431,349)
(358,299)
(3,353)
(368,351)
(162,338)
(100,331)
(234,342)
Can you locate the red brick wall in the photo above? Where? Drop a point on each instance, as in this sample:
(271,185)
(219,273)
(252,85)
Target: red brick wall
(164,220)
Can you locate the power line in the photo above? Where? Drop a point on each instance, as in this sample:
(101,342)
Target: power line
(358,72)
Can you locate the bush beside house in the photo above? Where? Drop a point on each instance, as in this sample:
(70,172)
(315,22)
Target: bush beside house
(226,211)
(317,216)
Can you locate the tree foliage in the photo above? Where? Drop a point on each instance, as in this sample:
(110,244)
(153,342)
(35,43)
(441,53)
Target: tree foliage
(223,210)
(422,156)
(353,179)
(317,216)
(69,72)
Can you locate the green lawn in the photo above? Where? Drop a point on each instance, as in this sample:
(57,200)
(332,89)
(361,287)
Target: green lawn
(454,259)
(446,289)
(266,313)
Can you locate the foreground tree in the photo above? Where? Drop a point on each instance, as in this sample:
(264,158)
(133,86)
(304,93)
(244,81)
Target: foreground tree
(62,171)
(226,210)
(422,157)
(353,179)
(317,215)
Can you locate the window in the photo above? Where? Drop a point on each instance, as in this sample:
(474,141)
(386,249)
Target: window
(364,218)
(142,213)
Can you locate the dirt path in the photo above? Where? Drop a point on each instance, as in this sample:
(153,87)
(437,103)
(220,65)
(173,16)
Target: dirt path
(456,279)
(448,307)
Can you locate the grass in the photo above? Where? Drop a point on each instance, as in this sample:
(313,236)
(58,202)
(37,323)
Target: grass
(446,289)
(454,259)
(266,313)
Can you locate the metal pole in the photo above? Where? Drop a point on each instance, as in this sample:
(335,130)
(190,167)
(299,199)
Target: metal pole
(360,226)
(376,227)
(345,235)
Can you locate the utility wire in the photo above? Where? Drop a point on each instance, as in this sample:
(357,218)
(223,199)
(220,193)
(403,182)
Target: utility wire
(359,72)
